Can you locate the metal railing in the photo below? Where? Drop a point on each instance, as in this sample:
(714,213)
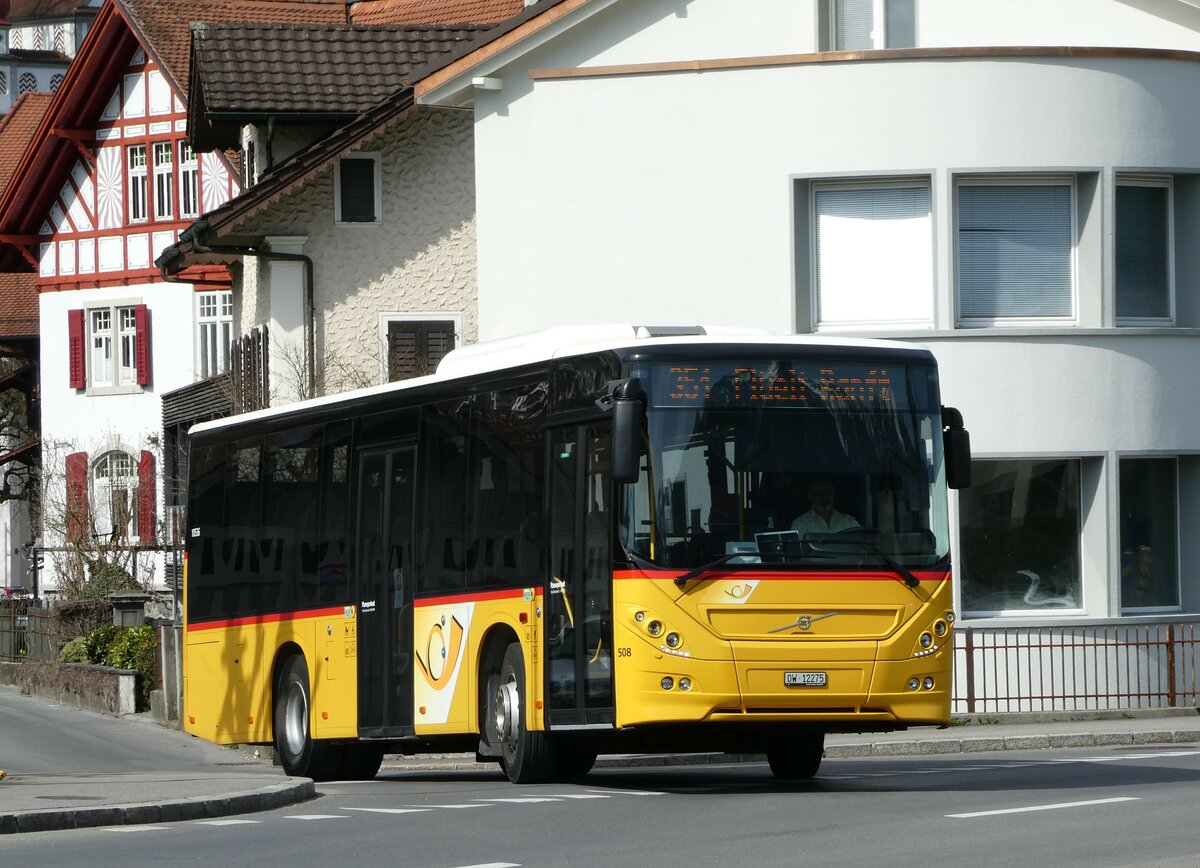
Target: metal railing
(25,632)
(1075,668)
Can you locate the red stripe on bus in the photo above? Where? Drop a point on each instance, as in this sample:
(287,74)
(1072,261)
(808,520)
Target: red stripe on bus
(273,618)
(478,597)
(783,577)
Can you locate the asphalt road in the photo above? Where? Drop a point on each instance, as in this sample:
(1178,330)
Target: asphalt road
(1097,807)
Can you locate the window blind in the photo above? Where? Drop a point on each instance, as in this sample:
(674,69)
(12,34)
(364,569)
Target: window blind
(874,254)
(1014,251)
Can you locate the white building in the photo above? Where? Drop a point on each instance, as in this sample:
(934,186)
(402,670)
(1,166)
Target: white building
(1013,183)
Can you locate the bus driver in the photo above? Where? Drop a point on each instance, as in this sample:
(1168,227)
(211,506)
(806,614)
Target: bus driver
(822,518)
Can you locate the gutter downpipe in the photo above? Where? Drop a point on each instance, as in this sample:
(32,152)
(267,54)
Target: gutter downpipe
(310,325)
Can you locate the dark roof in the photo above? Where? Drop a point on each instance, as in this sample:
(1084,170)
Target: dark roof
(165,25)
(276,68)
(20,10)
(38,55)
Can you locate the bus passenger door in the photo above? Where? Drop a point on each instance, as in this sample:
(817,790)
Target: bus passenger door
(578,626)
(385,592)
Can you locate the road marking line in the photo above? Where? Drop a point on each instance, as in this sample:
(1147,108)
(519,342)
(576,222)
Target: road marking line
(142,828)
(494,865)
(1044,807)
(227,822)
(528,800)
(580,796)
(317,817)
(388,810)
(455,807)
(626,792)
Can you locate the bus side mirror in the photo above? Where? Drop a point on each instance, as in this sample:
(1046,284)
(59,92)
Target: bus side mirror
(956,444)
(629,416)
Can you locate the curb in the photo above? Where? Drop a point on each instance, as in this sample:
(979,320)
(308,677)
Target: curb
(197,808)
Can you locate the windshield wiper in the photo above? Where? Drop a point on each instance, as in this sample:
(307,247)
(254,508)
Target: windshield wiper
(710,566)
(902,572)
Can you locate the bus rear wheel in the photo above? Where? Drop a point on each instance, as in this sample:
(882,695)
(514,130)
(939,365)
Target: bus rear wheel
(298,753)
(797,757)
(527,757)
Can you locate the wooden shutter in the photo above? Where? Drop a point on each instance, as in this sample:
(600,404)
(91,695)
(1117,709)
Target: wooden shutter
(77,495)
(141,320)
(75,343)
(146,497)
(415,348)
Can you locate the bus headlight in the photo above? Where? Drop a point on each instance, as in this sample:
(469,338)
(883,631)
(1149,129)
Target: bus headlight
(928,683)
(685,683)
(926,640)
(914,683)
(940,628)
(654,628)
(673,640)
(667,683)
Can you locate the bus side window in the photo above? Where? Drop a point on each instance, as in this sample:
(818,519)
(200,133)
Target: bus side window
(441,520)
(206,513)
(333,551)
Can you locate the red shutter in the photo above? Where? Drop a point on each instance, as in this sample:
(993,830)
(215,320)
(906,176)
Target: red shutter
(77,499)
(75,343)
(141,316)
(146,499)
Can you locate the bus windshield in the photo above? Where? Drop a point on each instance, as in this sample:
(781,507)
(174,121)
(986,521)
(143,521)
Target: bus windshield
(806,464)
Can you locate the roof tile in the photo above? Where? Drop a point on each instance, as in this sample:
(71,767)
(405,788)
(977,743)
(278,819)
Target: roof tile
(311,68)
(17,129)
(18,305)
(406,12)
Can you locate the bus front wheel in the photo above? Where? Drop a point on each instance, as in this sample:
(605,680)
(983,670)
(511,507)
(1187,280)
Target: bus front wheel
(797,757)
(527,757)
(299,755)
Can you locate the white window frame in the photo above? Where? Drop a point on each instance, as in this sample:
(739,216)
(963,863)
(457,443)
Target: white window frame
(815,274)
(164,180)
(1023,180)
(1161,181)
(878,25)
(136,157)
(189,181)
(104,484)
(214,332)
(117,339)
(337,190)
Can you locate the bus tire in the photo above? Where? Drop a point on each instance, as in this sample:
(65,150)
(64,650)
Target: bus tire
(798,757)
(298,753)
(527,757)
(573,761)
(361,762)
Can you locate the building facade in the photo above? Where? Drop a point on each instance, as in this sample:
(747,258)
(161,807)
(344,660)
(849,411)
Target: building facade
(1011,184)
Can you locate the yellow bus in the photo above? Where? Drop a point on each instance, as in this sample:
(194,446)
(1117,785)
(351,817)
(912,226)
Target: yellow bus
(584,541)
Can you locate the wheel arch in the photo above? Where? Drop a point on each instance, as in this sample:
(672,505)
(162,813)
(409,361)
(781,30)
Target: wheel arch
(283,653)
(490,660)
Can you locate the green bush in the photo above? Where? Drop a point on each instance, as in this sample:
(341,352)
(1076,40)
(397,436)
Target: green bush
(98,642)
(134,648)
(106,578)
(75,651)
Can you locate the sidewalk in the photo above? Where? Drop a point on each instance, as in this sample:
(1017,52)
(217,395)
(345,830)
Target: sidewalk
(30,803)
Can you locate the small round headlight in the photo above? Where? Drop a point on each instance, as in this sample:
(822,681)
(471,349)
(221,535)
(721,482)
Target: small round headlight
(685,683)
(940,628)
(928,682)
(639,617)
(668,682)
(926,640)
(654,628)
(673,640)
(950,617)
(914,683)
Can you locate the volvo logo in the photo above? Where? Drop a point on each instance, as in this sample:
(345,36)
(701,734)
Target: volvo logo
(802,622)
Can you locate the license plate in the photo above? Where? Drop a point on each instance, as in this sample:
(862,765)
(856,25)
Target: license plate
(804,679)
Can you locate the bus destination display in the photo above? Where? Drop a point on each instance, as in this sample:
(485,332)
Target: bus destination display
(768,383)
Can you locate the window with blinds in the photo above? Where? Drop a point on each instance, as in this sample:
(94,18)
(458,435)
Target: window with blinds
(416,346)
(861,25)
(874,253)
(1143,249)
(1015,250)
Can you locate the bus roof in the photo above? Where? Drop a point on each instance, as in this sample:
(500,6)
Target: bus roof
(563,341)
